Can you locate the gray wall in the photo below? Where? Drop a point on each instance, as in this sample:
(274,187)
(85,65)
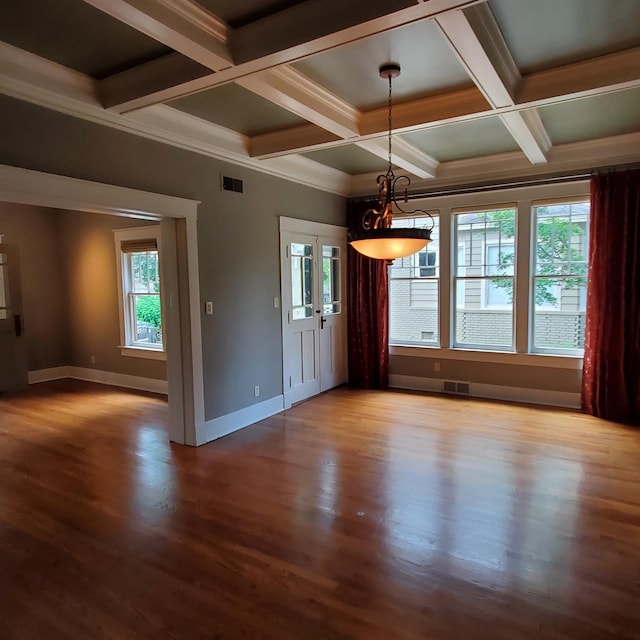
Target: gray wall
(238,233)
(89,257)
(507,375)
(34,231)
(69,288)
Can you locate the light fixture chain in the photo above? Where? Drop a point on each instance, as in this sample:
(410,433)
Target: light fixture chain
(390,124)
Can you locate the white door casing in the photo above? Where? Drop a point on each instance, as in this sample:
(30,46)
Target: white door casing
(180,290)
(313,286)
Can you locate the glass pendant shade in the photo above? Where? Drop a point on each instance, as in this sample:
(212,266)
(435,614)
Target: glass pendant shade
(389,244)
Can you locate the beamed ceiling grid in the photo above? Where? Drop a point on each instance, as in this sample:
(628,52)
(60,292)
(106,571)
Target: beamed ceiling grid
(292,88)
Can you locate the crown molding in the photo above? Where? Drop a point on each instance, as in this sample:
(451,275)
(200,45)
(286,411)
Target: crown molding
(567,158)
(28,77)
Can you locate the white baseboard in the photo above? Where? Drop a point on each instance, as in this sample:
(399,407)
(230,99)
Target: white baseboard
(224,425)
(103,377)
(46,375)
(492,391)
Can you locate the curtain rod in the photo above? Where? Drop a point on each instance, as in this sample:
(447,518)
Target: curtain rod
(455,190)
(487,186)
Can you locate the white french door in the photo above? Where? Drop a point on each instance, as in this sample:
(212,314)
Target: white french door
(313,311)
(13,353)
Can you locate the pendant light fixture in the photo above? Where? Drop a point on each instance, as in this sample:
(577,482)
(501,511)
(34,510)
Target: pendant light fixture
(377,239)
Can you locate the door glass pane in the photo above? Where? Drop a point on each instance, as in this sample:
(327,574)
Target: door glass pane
(301,280)
(4,288)
(331,298)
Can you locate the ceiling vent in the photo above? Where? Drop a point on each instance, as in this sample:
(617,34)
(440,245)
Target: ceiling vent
(232,184)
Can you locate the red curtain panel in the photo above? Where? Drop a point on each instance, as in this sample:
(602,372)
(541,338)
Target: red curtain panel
(368,319)
(611,370)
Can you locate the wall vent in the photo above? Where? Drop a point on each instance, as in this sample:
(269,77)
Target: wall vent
(460,388)
(232,184)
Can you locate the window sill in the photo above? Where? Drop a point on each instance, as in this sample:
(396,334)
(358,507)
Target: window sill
(140,352)
(553,361)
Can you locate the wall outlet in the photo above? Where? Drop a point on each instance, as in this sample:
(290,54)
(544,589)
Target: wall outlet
(436,366)
(276,302)
(208,308)
(93,359)
(256,390)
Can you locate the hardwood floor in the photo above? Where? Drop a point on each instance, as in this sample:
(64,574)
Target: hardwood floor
(353,515)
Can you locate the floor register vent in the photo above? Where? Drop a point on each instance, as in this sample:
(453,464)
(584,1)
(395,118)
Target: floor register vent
(460,388)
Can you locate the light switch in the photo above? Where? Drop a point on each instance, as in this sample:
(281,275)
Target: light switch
(276,302)
(208,308)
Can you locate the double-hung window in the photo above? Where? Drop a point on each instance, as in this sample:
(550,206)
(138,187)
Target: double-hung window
(483,279)
(561,240)
(139,283)
(414,290)
(509,278)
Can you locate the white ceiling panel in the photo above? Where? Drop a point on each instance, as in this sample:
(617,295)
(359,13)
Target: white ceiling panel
(351,71)
(547,33)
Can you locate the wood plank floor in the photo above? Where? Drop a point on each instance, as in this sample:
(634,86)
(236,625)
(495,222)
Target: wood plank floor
(361,515)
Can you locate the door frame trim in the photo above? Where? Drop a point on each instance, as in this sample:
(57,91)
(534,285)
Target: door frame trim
(185,384)
(307,227)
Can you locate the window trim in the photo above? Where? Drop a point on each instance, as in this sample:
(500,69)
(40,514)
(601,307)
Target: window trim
(415,269)
(127,348)
(542,351)
(455,279)
(524,198)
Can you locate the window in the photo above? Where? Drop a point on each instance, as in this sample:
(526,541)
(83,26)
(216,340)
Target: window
(497,278)
(139,280)
(561,236)
(414,284)
(483,277)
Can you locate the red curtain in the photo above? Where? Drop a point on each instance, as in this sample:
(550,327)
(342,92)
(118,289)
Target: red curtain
(611,373)
(368,319)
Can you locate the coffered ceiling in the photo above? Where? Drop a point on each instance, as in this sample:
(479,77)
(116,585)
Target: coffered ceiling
(489,90)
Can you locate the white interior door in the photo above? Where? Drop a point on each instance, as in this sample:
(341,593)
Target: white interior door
(314,314)
(13,358)
(333,329)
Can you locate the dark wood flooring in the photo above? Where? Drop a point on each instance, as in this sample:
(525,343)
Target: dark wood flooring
(361,515)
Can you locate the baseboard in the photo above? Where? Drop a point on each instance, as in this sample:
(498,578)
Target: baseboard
(103,377)
(224,425)
(46,375)
(494,392)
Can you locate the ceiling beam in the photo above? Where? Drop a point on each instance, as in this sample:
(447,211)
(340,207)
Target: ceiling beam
(418,114)
(28,77)
(476,40)
(598,76)
(292,90)
(180,24)
(404,155)
(128,90)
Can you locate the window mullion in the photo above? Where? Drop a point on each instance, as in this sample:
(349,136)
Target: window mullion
(522,276)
